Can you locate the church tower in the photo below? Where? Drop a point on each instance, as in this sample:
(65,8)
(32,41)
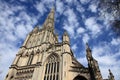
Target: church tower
(43,57)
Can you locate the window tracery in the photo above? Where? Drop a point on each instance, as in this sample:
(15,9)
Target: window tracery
(52,68)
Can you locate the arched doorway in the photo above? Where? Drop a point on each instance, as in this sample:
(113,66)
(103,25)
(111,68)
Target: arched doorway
(79,78)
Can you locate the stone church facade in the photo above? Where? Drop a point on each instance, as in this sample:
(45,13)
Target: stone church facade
(42,57)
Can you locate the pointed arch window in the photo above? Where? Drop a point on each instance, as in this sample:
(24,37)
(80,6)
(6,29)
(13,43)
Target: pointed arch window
(52,68)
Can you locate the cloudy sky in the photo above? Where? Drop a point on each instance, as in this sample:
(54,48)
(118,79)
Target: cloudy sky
(80,18)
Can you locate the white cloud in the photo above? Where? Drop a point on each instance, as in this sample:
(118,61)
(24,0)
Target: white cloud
(93,8)
(59,7)
(99,50)
(48,1)
(69,29)
(21,31)
(106,18)
(86,38)
(71,17)
(41,8)
(43,5)
(83,61)
(80,8)
(69,1)
(71,23)
(93,26)
(85,1)
(8,52)
(80,30)
(23,0)
(115,41)
(74,47)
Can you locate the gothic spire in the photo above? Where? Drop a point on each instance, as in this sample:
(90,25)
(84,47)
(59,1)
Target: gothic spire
(49,22)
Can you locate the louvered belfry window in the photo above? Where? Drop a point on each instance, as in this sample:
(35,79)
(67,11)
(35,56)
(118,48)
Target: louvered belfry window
(52,68)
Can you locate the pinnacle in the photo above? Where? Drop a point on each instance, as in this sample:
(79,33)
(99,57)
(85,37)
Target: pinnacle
(65,33)
(109,71)
(52,10)
(36,29)
(87,46)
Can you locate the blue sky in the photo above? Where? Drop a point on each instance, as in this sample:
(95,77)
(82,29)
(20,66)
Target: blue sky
(80,18)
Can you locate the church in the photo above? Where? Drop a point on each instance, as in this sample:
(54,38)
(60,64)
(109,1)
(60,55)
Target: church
(43,57)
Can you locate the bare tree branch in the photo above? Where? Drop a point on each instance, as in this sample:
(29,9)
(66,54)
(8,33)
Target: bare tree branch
(111,7)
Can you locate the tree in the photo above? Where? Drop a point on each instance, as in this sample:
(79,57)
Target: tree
(111,7)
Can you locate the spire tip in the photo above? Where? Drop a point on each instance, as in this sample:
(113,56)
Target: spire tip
(87,46)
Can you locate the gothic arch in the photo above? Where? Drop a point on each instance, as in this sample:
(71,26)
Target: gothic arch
(52,55)
(52,67)
(79,77)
